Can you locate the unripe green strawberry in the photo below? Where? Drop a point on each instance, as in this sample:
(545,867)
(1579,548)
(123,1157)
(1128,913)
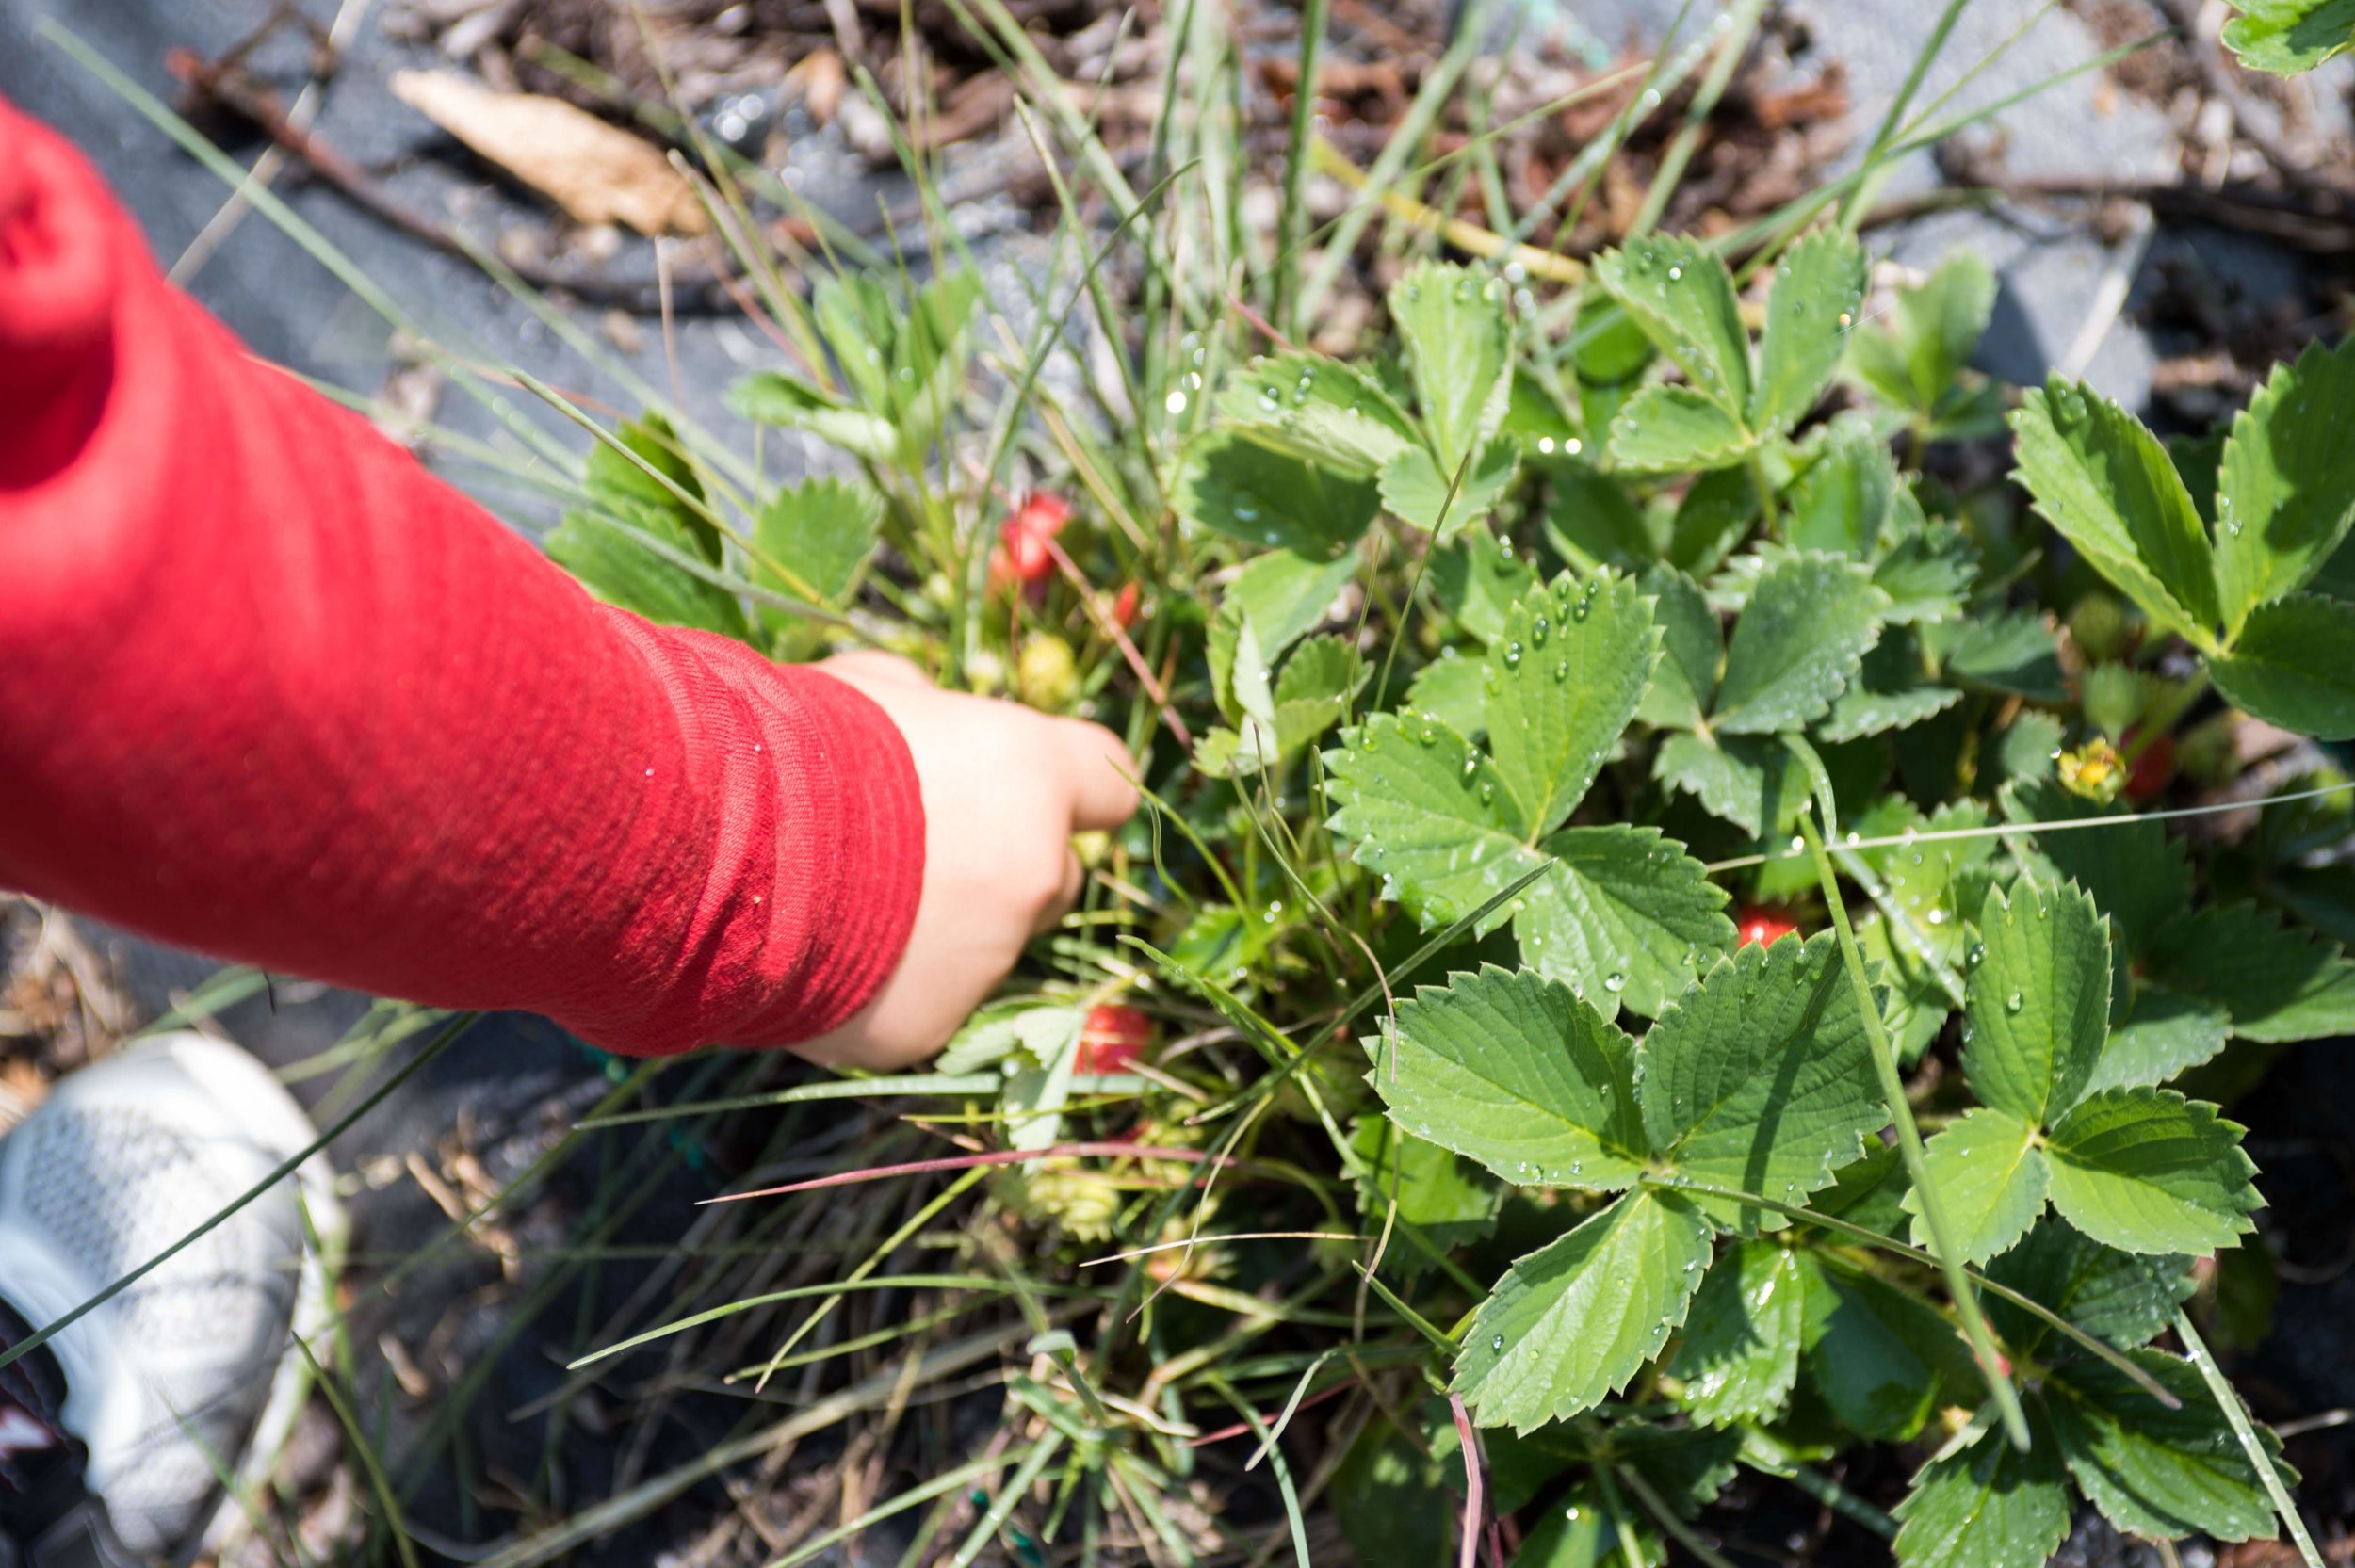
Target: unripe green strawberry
(2099,628)
(1047,675)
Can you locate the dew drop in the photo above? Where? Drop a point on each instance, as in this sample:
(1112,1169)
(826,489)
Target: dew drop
(1539,630)
(2014,1002)
(1614,982)
(1496,1345)
(1512,656)
(1676,274)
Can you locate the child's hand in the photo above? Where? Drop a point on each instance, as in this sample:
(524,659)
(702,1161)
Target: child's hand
(1004,790)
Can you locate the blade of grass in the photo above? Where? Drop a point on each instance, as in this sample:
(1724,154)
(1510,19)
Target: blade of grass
(2251,1443)
(1975,1325)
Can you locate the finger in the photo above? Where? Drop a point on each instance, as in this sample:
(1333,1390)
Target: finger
(1102,795)
(1074,877)
(864,666)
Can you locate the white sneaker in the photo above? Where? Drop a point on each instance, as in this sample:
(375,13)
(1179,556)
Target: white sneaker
(190,1375)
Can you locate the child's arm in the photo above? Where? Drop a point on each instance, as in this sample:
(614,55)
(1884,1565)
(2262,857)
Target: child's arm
(271,690)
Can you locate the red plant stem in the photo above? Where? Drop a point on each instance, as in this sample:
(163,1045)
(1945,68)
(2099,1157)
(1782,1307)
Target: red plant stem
(1110,627)
(966,1162)
(1240,1428)
(1259,323)
(1469,1556)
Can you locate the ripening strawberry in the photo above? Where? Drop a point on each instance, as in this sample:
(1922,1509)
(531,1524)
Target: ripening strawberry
(1022,556)
(2153,769)
(1112,1038)
(1124,606)
(1762,925)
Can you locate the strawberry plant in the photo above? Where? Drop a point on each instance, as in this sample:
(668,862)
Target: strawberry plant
(1516,680)
(1647,959)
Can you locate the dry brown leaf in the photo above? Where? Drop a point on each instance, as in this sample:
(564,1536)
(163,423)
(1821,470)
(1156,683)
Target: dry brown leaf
(598,173)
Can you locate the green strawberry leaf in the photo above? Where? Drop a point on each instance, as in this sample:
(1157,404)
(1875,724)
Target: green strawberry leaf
(1984,1504)
(1818,290)
(1418,490)
(1680,293)
(1626,918)
(2139,876)
(1589,1530)
(609,559)
(773,398)
(1928,573)
(1564,680)
(1435,1193)
(1800,639)
(2039,1006)
(2294,665)
(1591,521)
(2290,37)
(1927,883)
(1454,691)
(1915,1002)
(821,532)
(1664,429)
(1512,1071)
(2122,1299)
(1939,324)
(2148,1171)
(1422,808)
(2155,1471)
(1882,1358)
(1992,1176)
(1475,580)
(2278,983)
(1859,711)
(2164,1033)
(1717,511)
(2286,494)
(1684,680)
(1284,595)
(1840,502)
(1888,692)
(1869,1192)
(1570,1323)
(1740,1352)
(1233,485)
(1752,782)
(1759,1079)
(1459,353)
(1309,698)
(1317,409)
(2013,652)
(2105,481)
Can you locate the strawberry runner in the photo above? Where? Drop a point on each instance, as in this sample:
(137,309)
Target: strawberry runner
(270,690)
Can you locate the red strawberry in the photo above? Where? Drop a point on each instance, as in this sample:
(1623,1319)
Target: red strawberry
(1124,606)
(1762,925)
(1022,556)
(2153,768)
(1113,1039)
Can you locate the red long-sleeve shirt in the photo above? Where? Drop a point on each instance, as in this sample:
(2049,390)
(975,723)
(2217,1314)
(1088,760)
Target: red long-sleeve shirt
(271,690)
